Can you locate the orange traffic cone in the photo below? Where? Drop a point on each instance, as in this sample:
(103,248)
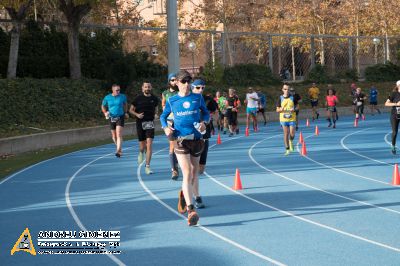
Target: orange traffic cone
(238,182)
(219,139)
(303,149)
(301,139)
(246,132)
(396,176)
(356,122)
(316,131)
(307,123)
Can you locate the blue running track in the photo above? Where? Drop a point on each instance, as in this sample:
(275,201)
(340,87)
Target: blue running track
(335,206)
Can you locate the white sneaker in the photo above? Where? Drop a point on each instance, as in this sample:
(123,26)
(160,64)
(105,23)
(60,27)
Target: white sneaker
(140,158)
(147,170)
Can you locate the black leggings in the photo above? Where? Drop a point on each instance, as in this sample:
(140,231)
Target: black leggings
(203,156)
(395,126)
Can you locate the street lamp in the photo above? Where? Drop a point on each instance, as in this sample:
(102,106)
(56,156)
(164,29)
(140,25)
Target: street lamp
(192,48)
(376,42)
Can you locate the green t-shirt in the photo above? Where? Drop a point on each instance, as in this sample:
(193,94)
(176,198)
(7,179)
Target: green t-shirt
(222,103)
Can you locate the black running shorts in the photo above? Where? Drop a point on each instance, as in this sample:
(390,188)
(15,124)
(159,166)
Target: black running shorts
(192,147)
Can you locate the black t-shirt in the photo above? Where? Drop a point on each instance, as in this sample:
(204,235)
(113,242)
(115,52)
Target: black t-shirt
(232,101)
(146,105)
(394,98)
(212,106)
(359,98)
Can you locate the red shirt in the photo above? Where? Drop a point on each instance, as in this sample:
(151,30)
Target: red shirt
(331,100)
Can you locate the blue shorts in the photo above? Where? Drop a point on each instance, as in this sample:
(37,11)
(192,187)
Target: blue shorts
(251,110)
(289,124)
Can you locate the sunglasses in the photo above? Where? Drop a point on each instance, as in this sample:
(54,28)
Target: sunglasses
(172,80)
(186,80)
(199,88)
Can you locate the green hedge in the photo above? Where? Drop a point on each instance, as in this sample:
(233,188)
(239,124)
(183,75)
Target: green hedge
(43,53)
(249,75)
(382,72)
(47,103)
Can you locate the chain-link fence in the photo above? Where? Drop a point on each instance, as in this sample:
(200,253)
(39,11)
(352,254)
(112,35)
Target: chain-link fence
(290,56)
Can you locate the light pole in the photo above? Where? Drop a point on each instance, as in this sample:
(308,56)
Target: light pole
(376,42)
(192,48)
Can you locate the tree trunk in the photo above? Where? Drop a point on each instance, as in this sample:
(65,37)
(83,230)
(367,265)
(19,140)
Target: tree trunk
(17,18)
(73,53)
(13,56)
(74,14)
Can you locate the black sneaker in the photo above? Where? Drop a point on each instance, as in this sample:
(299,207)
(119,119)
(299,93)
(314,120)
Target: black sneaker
(198,203)
(317,115)
(175,175)
(237,131)
(394,150)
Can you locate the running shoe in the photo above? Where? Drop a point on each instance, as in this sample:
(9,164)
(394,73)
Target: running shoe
(193,217)
(265,123)
(334,125)
(224,132)
(140,158)
(393,150)
(237,131)
(181,202)
(330,124)
(175,175)
(287,152)
(230,134)
(118,154)
(198,203)
(317,115)
(291,146)
(148,170)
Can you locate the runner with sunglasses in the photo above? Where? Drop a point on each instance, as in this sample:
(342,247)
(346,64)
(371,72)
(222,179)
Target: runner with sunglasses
(169,92)
(286,107)
(188,129)
(198,86)
(114,108)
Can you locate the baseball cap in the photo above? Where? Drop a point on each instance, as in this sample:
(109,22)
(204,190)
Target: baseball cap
(398,83)
(171,75)
(198,82)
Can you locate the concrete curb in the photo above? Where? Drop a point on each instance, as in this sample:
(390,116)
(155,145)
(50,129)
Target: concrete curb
(20,144)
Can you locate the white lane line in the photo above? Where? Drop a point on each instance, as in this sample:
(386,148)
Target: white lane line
(340,170)
(386,139)
(298,217)
(356,153)
(155,197)
(71,209)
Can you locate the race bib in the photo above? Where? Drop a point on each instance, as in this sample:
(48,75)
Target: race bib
(287,115)
(114,119)
(359,103)
(147,125)
(398,112)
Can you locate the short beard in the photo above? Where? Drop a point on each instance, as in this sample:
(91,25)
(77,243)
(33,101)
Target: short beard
(147,92)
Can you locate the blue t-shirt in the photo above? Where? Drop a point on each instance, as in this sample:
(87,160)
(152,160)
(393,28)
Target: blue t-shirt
(115,104)
(262,98)
(373,95)
(186,111)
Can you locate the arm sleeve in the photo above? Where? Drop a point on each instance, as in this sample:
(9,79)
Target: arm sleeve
(165,114)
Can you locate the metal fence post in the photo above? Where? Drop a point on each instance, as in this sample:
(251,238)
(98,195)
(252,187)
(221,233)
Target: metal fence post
(385,49)
(223,48)
(351,53)
(312,52)
(270,53)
